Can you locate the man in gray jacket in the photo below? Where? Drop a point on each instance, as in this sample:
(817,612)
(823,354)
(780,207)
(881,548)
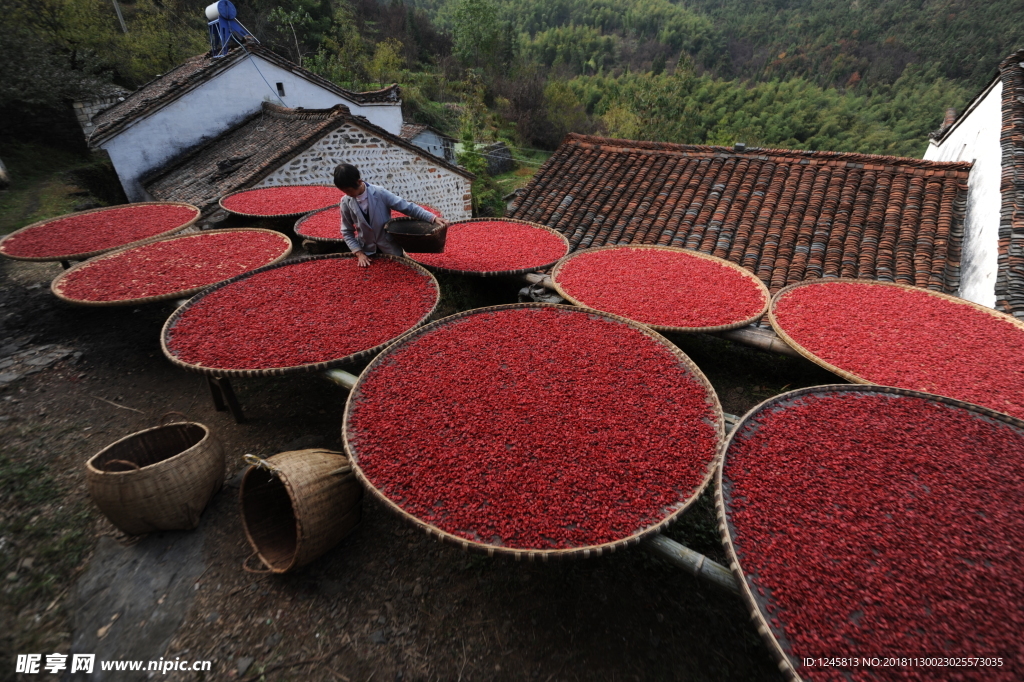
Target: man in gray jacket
(365,209)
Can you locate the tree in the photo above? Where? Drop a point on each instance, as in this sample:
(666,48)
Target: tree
(342,54)
(383,67)
(565,111)
(291,19)
(476,32)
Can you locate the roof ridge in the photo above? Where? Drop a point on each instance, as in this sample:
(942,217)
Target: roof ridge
(596,142)
(300,114)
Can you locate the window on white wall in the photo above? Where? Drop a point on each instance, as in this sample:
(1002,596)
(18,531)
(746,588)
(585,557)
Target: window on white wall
(280,89)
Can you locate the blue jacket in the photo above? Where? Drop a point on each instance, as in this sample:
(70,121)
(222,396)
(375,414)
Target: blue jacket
(370,236)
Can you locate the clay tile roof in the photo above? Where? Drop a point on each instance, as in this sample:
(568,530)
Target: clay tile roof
(168,87)
(254,149)
(411,130)
(784,215)
(1010,273)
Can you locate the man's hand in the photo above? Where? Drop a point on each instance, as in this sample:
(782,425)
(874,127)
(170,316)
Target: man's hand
(364,260)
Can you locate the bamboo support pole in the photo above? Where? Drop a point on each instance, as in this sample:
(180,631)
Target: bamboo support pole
(342,378)
(679,555)
(694,563)
(765,339)
(543,280)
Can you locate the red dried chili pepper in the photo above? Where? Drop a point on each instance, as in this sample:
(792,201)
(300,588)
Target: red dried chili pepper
(286,200)
(883,525)
(173,265)
(302,313)
(585,435)
(911,339)
(661,287)
(495,246)
(96,231)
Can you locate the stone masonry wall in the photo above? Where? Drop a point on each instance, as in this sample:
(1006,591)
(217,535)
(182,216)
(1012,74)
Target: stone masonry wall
(412,176)
(86,111)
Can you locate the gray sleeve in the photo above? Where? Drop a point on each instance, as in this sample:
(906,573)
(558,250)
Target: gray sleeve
(407,207)
(348,232)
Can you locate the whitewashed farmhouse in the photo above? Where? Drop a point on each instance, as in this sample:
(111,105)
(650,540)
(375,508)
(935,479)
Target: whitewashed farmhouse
(990,133)
(205,96)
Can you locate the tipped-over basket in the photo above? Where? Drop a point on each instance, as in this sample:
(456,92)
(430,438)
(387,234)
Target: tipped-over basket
(157,479)
(298,505)
(417,236)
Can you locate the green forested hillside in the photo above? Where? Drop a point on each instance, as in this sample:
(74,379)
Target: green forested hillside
(831,40)
(857,75)
(796,113)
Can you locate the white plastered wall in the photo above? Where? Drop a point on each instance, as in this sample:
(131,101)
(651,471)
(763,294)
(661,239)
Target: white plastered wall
(215,106)
(412,176)
(431,142)
(976,138)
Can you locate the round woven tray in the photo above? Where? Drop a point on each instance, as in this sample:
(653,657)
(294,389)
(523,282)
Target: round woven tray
(850,376)
(766,296)
(220,202)
(184,293)
(541,554)
(296,369)
(90,254)
(757,604)
(325,240)
(497,273)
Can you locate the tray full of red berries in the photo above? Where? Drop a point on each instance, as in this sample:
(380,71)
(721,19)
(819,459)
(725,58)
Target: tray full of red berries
(82,235)
(534,430)
(281,201)
(866,522)
(177,267)
(666,288)
(301,315)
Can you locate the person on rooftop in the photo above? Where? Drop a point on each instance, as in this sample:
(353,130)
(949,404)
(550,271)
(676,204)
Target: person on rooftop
(365,209)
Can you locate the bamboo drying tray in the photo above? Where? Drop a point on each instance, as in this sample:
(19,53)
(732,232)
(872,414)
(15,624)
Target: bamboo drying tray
(184,293)
(850,376)
(756,604)
(90,254)
(324,240)
(499,273)
(537,554)
(765,295)
(296,369)
(220,203)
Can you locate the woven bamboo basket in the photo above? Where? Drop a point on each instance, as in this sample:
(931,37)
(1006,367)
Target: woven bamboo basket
(755,282)
(787,661)
(298,228)
(220,202)
(298,505)
(297,369)
(157,479)
(850,376)
(417,236)
(499,273)
(55,286)
(90,254)
(537,554)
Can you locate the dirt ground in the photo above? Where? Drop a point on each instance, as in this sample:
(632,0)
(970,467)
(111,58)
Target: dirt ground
(387,604)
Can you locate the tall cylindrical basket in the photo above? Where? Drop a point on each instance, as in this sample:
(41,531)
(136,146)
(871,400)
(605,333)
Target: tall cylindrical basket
(298,505)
